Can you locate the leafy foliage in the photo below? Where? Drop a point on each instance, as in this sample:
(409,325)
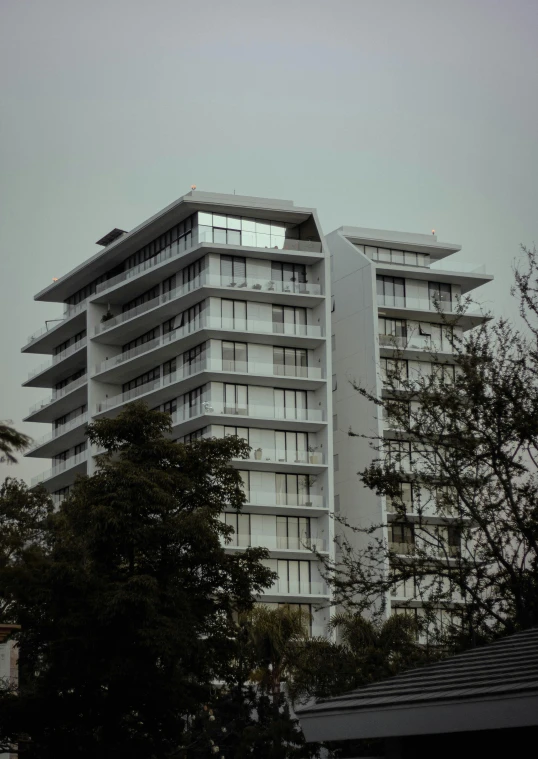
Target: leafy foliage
(10,441)
(128,616)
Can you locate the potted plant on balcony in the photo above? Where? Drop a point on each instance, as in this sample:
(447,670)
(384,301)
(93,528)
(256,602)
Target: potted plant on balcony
(271,285)
(258,454)
(257,286)
(312,450)
(107,316)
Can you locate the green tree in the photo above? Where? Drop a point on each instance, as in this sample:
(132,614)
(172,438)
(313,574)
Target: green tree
(128,618)
(11,441)
(463,450)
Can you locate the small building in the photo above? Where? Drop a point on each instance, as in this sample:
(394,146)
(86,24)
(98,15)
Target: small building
(483,702)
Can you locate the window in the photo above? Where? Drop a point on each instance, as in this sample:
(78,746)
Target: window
(290,362)
(293,576)
(440,295)
(169,367)
(141,340)
(190,274)
(292,490)
(189,320)
(140,299)
(392,331)
(235,399)
(143,379)
(333,342)
(444,373)
(394,372)
(391,291)
(291,446)
(402,503)
(396,415)
(194,358)
(240,432)
(289,320)
(233,270)
(240,523)
(305,609)
(336,462)
(234,357)
(192,436)
(398,454)
(454,541)
(290,404)
(293,532)
(170,407)
(335,382)
(402,538)
(293,276)
(333,303)
(399,257)
(191,404)
(68,343)
(336,504)
(67,381)
(233,314)
(63,420)
(335,422)
(175,240)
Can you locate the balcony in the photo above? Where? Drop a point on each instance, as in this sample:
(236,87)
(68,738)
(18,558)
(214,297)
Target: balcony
(45,339)
(289,588)
(71,359)
(220,370)
(297,419)
(180,248)
(42,411)
(63,473)
(408,307)
(249,285)
(278,542)
(166,346)
(72,424)
(270,499)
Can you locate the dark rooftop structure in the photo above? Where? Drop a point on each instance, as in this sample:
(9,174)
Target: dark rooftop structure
(111,236)
(487,695)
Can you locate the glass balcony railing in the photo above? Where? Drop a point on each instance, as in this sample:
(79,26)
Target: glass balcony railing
(205,235)
(210,280)
(211,322)
(426,304)
(287,456)
(416,342)
(57,394)
(69,312)
(215,408)
(59,431)
(271,498)
(62,466)
(210,365)
(287,587)
(59,357)
(277,542)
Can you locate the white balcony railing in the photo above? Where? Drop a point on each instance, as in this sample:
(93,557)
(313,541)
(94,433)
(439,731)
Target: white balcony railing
(209,365)
(59,431)
(59,357)
(210,322)
(180,247)
(210,280)
(277,542)
(57,394)
(62,466)
(272,498)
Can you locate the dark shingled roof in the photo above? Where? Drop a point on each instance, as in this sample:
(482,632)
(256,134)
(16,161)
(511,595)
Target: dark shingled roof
(506,669)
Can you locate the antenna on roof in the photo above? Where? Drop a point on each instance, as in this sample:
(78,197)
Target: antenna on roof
(433,231)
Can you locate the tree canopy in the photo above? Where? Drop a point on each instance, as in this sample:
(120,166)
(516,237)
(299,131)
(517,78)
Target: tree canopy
(126,596)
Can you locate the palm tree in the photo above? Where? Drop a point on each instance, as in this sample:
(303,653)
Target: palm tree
(10,441)
(274,635)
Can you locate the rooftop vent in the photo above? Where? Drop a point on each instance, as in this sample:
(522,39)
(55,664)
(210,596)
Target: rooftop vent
(110,237)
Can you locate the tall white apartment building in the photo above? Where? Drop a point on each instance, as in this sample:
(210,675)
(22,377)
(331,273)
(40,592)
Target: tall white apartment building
(217,310)
(385,287)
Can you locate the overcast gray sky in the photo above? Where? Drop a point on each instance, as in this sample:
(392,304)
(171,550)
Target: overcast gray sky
(381,113)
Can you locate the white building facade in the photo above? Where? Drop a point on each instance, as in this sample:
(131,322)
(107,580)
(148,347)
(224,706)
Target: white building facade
(216,310)
(388,289)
